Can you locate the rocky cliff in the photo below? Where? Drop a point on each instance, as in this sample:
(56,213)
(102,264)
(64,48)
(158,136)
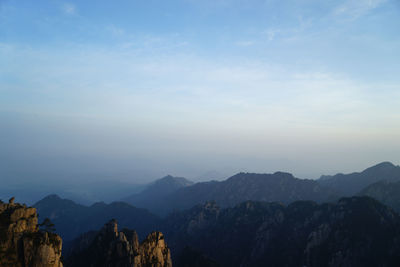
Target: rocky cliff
(110,247)
(22,243)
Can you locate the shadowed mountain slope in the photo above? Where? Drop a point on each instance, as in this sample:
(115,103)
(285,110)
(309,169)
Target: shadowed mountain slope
(384,191)
(351,184)
(156,192)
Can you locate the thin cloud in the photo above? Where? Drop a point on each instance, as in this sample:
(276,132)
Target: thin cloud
(354,9)
(116,31)
(245,43)
(69,9)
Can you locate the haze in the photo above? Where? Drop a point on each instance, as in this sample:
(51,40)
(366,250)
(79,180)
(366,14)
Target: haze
(135,90)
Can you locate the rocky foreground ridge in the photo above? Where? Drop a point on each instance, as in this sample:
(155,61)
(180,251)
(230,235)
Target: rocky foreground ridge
(110,247)
(22,243)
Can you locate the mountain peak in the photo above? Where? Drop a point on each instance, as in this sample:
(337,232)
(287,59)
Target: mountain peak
(111,227)
(283,174)
(386,165)
(171,180)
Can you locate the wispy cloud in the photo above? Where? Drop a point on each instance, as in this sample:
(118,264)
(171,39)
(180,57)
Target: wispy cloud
(245,43)
(251,93)
(116,31)
(69,8)
(354,9)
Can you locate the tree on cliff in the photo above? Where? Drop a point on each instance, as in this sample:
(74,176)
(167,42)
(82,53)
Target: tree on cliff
(47,226)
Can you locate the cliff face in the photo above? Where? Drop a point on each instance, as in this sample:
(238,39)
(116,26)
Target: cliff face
(110,247)
(21,242)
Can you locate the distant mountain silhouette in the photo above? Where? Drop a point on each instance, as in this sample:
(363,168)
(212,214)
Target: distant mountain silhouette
(280,186)
(351,184)
(356,231)
(83,192)
(155,193)
(72,219)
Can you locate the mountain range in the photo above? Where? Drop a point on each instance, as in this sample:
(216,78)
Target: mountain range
(170,194)
(280,186)
(250,220)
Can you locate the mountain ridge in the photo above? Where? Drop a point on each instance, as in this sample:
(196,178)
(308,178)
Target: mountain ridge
(353,183)
(279,186)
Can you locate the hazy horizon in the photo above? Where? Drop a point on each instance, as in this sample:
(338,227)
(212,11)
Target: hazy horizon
(140,89)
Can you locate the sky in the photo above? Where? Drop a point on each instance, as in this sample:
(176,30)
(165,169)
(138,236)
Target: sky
(136,89)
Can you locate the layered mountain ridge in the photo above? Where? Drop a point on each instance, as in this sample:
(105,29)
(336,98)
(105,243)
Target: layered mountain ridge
(351,184)
(280,186)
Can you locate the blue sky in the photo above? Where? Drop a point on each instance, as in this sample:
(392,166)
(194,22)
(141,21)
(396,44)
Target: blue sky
(185,87)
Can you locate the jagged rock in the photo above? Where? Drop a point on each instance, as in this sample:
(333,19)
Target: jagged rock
(110,247)
(21,242)
(154,251)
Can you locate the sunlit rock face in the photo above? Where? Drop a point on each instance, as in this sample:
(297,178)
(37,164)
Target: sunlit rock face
(21,241)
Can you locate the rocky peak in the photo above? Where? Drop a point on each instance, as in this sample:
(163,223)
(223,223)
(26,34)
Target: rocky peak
(110,228)
(154,250)
(111,247)
(22,243)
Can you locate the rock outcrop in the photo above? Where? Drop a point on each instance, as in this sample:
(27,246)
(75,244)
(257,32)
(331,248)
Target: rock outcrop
(22,243)
(110,247)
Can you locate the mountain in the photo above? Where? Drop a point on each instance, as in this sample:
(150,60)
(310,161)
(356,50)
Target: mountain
(21,241)
(356,231)
(384,191)
(351,184)
(73,219)
(84,192)
(110,247)
(155,193)
(279,187)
